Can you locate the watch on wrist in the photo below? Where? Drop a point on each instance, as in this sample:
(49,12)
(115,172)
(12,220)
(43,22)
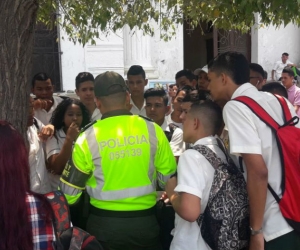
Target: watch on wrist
(255,232)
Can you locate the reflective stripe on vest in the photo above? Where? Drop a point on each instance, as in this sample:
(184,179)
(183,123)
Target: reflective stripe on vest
(98,192)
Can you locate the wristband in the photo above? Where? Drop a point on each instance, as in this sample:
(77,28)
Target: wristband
(255,232)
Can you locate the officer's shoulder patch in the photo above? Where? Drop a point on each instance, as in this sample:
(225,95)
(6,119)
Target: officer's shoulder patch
(87,126)
(146,118)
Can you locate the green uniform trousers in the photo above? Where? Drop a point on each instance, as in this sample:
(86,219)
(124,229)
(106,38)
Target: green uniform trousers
(289,241)
(138,233)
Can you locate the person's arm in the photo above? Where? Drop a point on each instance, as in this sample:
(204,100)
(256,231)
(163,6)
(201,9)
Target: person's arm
(257,185)
(273,72)
(186,190)
(177,143)
(164,161)
(186,205)
(57,162)
(77,172)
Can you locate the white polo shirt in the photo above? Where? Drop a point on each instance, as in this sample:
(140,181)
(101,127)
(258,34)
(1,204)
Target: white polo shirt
(195,176)
(278,67)
(136,111)
(39,181)
(54,146)
(96,115)
(177,144)
(248,134)
(169,120)
(45,116)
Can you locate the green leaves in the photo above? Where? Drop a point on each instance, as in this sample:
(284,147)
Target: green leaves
(85,20)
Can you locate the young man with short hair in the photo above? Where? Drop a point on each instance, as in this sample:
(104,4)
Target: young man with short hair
(136,82)
(280,65)
(275,88)
(156,109)
(255,142)
(84,83)
(256,75)
(189,192)
(287,79)
(37,132)
(185,77)
(45,103)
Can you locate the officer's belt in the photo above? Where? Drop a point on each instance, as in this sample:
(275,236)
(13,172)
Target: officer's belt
(122,214)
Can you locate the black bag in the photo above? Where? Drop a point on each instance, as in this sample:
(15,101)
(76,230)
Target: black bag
(165,216)
(170,133)
(68,238)
(225,224)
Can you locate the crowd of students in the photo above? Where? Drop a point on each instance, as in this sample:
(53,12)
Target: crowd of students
(197,110)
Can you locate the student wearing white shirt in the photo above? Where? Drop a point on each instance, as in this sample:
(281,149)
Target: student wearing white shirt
(189,192)
(136,82)
(84,83)
(280,65)
(45,103)
(255,142)
(70,116)
(39,181)
(156,109)
(174,117)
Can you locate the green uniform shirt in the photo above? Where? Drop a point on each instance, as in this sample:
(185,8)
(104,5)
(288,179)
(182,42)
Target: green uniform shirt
(119,160)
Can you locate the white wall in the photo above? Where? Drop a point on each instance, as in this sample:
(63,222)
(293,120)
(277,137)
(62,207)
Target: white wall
(72,61)
(168,56)
(108,54)
(268,44)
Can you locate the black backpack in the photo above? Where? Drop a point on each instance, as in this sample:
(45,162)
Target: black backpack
(225,224)
(68,238)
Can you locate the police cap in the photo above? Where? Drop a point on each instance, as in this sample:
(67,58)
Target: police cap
(109,83)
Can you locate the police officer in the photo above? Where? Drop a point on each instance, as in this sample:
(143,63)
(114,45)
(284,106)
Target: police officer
(119,160)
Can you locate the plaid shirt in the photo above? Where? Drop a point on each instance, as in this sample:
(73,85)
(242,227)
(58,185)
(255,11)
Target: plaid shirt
(43,233)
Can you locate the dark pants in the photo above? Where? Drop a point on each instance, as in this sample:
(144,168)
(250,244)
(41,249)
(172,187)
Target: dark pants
(138,233)
(290,241)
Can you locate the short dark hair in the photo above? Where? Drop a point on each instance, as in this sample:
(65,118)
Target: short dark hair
(187,73)
(41,76)
(257,68)
(275,88)
(157,92)
(211,115)
(289,71)
(172,85)
(83,77)
(191,95)
(233,64)
(185,88)
(285,54)
(265,74)
(135,70)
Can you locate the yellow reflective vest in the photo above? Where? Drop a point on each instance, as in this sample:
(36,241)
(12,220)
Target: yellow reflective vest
(119,160)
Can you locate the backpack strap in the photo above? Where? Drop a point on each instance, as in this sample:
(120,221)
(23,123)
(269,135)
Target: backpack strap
(61,213)
(285,108)
(170,133)
(35,123)
(259,111)
(210,155)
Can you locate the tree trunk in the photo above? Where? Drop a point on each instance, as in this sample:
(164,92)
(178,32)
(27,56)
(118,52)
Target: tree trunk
(17,25)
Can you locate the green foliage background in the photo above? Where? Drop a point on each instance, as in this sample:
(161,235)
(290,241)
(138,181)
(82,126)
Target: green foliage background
(85,20)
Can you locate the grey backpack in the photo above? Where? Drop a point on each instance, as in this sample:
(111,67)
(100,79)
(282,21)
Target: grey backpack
(225,223)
